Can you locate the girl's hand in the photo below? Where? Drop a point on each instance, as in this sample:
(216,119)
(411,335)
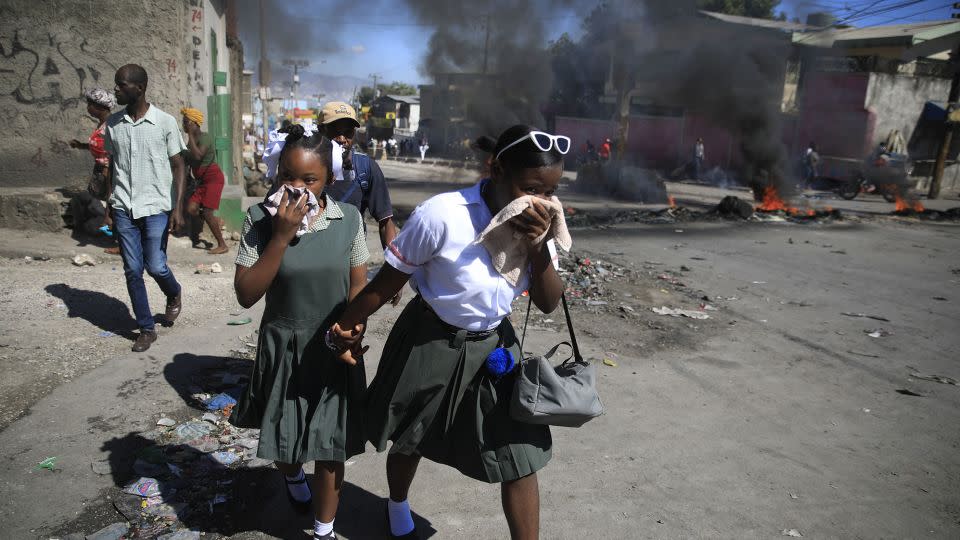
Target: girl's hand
(349,342)
(289,216)
(533,222)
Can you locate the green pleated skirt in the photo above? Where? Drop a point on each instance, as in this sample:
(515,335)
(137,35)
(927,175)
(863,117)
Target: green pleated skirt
(432,396)
(306,403)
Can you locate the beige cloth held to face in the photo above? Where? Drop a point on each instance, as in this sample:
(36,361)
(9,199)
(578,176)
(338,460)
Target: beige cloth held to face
(507,247)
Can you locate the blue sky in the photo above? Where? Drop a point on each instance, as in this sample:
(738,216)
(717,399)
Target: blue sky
(382,37)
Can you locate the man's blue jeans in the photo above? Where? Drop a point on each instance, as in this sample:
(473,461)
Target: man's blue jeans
(143,246)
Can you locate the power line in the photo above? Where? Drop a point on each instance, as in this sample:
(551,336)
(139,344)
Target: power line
(911,15)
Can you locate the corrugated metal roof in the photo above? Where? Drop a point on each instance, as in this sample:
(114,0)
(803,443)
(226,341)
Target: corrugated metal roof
(412,100)
(785,26)
(906,33)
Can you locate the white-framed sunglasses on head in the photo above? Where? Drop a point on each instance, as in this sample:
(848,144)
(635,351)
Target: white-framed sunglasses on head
(542,140)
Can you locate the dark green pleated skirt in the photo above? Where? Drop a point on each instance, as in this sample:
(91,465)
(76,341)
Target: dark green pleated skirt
(432,396)
(306,403)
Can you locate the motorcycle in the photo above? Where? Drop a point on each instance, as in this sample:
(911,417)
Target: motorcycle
(885,174)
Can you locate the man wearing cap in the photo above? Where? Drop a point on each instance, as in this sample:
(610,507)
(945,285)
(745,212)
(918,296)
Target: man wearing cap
(367,190)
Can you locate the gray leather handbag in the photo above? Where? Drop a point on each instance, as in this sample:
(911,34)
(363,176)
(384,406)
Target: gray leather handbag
(562,395)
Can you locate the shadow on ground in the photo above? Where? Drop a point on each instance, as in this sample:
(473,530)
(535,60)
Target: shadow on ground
(99,309)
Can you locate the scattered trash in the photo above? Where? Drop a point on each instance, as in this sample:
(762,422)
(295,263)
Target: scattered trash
(865,410)
(166,422)
(192,430)
(791,532)
(220,401)
(144,487)
(225,458)
(238,322)
(759,282)
(596,303)
(609,362)
(664,310)
(214,268)
(101,467)
(794,496)
(115,531)
(866,316)
(210,417)
(935,378)
(878,333)
(84,260)
(864,354)
(205,444)
(106,333)
(48,463)
(625,308)
(940,298)
(907,392)
(180,535)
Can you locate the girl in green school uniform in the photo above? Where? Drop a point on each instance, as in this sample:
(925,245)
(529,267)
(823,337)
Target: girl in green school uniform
(432,396)
(307,255)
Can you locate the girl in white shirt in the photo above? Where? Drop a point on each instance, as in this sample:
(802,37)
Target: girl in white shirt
(433,396)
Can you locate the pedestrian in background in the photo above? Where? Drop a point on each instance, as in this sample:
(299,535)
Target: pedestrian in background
(424,146)
(90,213)
(205,199)
(146,203)
(605,150)
(367,189)
(308,260)
(698,157)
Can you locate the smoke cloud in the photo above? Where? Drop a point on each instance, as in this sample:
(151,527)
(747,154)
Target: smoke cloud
(658,47)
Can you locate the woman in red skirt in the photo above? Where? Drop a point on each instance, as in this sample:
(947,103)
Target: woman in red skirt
(200,155)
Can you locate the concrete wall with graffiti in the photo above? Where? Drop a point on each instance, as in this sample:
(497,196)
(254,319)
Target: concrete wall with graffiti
(52,51)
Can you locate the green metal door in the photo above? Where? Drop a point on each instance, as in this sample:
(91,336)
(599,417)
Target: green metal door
(218,109)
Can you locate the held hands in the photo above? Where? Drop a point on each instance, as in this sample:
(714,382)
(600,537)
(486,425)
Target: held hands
(289,216)
(532,223)
(347,343)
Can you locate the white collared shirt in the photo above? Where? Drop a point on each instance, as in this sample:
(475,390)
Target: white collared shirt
(451,272)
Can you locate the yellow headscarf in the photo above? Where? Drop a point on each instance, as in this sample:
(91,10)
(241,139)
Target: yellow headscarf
(193,115)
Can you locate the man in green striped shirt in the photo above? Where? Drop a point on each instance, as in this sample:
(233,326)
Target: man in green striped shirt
(148,178)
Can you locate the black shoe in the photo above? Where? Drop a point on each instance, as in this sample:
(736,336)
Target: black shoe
(412,535)
(173,308)
(300,507)
(144,340)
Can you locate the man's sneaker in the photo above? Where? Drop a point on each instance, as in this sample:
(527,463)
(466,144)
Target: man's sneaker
(144,340)
(173,308)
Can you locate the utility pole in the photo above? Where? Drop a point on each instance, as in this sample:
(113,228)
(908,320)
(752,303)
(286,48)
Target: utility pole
(375,77)
(949,127)
(297,64)
(264,74)
(486,43)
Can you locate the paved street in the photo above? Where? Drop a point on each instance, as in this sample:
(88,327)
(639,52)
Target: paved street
(778,412)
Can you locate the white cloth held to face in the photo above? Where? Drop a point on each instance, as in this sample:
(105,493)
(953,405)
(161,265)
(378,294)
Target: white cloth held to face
(272,203)
(507,247)
(338,172)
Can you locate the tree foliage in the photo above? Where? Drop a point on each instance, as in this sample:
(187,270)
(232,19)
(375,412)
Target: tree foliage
(761,9)
(395,88)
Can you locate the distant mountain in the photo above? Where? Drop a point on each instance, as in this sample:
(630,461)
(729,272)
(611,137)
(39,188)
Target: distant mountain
(333,87)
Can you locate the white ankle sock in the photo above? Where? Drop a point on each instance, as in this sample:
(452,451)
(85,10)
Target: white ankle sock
(321,529)
(401,522)
(300,492)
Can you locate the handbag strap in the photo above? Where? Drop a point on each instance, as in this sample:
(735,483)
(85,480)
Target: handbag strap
(577,358)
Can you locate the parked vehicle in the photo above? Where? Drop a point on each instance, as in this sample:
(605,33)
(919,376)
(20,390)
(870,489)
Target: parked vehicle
(886,174)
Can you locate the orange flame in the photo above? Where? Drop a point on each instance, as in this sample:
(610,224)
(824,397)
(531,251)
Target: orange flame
(903,205)
(771,200)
